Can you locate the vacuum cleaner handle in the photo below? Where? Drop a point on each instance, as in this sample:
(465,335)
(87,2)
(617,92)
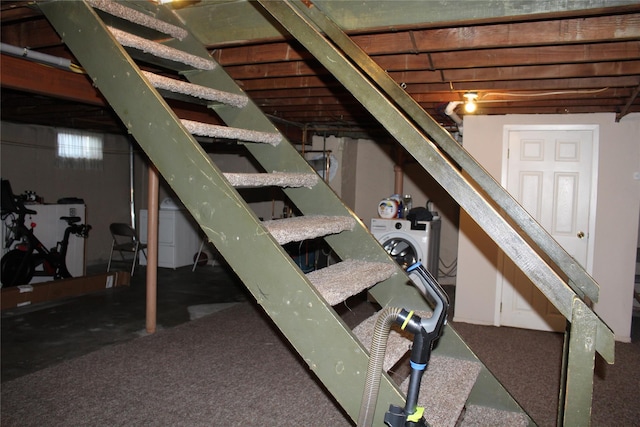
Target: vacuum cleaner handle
(432,291)
(426,331)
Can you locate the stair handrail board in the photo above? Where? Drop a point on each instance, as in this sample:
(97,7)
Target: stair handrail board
(582,283)
(441,168)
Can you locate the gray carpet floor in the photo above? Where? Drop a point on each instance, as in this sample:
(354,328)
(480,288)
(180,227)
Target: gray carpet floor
(528,364)
(229,368)
(232,368)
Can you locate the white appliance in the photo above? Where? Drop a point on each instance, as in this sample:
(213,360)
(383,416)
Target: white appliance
(408,245)
(178,237)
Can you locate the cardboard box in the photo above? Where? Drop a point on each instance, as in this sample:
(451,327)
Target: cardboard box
(18,296)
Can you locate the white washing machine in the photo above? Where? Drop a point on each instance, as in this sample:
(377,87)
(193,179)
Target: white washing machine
(408,245)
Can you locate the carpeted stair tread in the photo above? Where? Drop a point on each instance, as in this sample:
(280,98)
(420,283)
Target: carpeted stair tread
(445,388)
(161,51)
(195,91)
(132,15)
(482,416)
(277,179)
(398,343)
(226,132)
(340,281)
(297,229)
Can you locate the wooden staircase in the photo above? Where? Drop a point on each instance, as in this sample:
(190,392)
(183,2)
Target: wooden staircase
(113,41)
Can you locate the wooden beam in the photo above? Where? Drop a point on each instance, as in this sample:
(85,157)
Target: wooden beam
(260,54)
(32,33)
(617,87)
(277,69)
(17,10)
(487,59)
(599,29)
(463,82)
(549,33)
(441,101)
(296,102)
(32,77)
(598,52)
(344,116)
(246,23)
(27,76)
(301,92)
(550,109)
(289,82)
(533,72)
(610,93)
(300,75)
(576,83)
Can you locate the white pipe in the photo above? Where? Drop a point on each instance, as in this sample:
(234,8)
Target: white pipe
(55,61)
(398,187)
(454,116)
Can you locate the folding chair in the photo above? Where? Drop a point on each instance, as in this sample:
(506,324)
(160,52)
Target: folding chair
(125,239)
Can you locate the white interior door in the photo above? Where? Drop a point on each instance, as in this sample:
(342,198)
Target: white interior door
(549,171)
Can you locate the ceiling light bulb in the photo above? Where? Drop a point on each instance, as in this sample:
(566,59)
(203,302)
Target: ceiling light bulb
(470,105)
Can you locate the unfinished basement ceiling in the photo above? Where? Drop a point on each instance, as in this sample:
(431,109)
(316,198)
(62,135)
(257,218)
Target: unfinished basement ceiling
(519,57)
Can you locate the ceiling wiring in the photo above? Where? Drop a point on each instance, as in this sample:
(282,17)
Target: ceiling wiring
(558,92)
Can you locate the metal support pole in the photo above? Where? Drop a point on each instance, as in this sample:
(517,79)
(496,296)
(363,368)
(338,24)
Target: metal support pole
(152,251)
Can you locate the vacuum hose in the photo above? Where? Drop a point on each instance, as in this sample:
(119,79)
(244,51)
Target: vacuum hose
(376,362)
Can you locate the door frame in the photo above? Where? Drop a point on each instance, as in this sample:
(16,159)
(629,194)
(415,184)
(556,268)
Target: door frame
(595,131)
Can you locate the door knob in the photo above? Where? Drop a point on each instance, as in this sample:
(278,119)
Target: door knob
(580,234)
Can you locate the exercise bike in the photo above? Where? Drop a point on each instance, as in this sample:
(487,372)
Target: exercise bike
(29,257)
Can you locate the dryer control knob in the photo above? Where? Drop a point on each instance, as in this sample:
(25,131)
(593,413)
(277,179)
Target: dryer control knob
(398,225)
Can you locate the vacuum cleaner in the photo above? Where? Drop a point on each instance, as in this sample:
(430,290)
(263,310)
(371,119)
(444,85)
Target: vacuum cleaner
(426,331)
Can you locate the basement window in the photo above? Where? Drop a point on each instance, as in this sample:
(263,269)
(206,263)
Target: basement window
(79,150)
